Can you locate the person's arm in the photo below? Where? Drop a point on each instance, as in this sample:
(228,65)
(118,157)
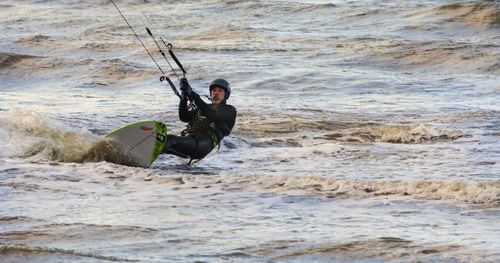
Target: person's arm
(185,115)
(220,112)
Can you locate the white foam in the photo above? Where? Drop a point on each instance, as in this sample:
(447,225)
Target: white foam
(485,193)
(415,134)
(37,136)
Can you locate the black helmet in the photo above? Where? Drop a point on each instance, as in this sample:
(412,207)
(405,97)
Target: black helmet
(223,84)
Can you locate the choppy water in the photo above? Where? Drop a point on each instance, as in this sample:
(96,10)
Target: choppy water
(367,131)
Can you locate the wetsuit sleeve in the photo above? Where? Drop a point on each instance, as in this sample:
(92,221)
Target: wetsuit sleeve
(185,115)
(221,112)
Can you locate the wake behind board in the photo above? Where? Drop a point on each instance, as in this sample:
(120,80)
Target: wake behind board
(137,144)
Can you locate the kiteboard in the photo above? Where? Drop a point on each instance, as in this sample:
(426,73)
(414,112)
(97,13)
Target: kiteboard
(137,144)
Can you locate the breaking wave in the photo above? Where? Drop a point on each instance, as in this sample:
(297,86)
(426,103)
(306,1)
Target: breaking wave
(38,138)
(485,193)
(397,134)
(33,136)
(294,128)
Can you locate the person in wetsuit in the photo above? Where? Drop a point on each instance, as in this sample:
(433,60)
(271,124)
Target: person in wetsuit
(207,123)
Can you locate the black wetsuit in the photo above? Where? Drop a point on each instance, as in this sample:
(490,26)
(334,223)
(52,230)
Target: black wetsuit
(206,128)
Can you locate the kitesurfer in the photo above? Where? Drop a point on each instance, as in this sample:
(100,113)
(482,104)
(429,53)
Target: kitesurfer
(207,123)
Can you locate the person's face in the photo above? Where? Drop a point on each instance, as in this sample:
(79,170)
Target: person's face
(217,94)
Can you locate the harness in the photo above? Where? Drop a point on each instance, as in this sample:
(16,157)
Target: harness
(202,126)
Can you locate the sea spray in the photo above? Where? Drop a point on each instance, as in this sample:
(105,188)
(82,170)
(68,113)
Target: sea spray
(36,136)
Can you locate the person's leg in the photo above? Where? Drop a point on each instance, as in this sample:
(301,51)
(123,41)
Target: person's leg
(204,147)
(182,146)
(188,146)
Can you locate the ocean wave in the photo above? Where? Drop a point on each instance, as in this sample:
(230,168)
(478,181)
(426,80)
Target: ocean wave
(425,55)
(22,64)
(118,69)
(16,243)
(98,46)
(485,193)
(368,249)
(34,136)
(479,13)
(35,40)
(386,248)
(9,59)
(307,8)
(292,130)
(16,219)
(397,134)
(21,252)
(76,3)
(272,7)
(234,48)
(89,229)
(227,35)
(38,138)
(234,38)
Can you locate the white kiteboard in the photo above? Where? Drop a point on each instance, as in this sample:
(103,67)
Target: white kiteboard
(137,144)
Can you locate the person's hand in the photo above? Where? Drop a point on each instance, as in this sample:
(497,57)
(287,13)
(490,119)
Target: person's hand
(185,87)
